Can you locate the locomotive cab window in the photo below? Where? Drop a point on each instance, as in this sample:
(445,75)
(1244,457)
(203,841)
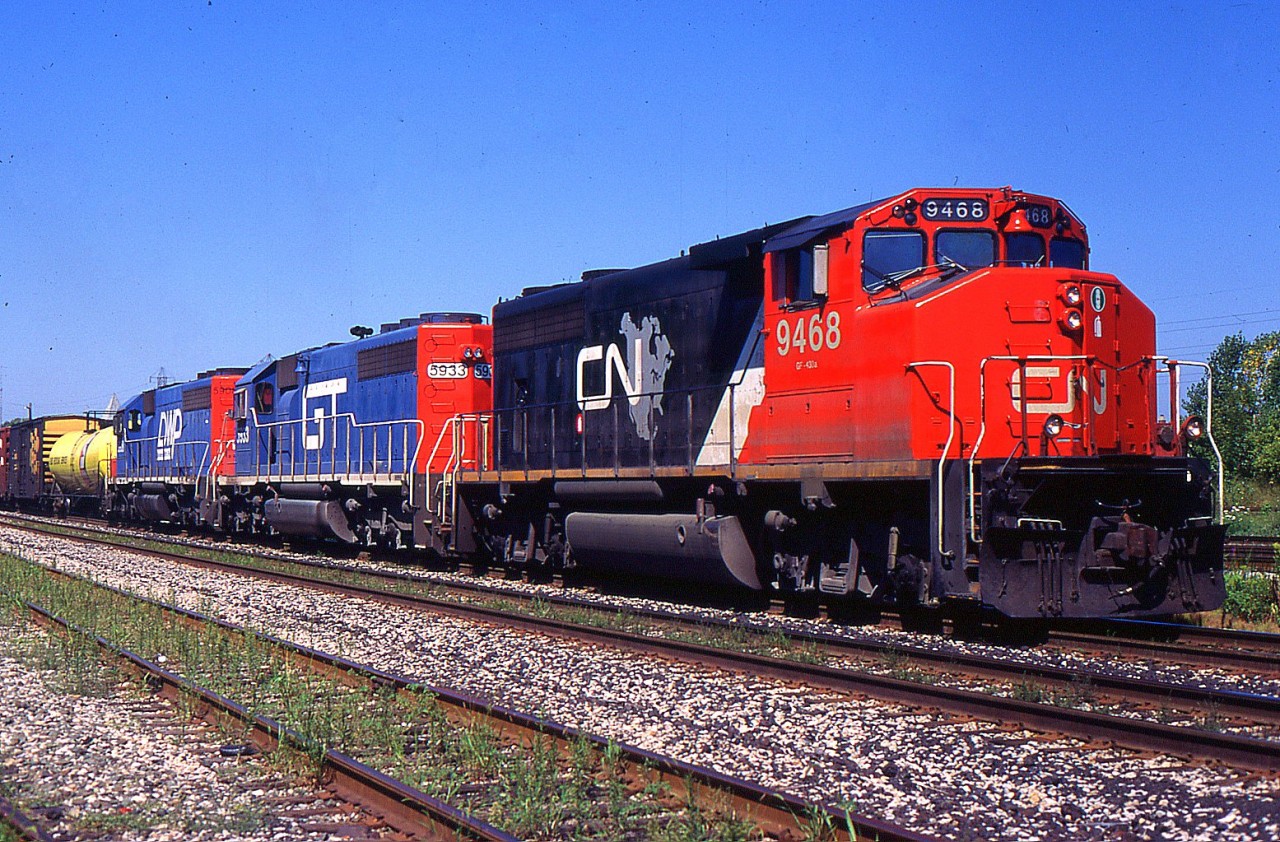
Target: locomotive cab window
(240,407)
(966,249)
(1066,252)
(264,399)
(134,422)
(800,275)
(1024,250)
(888,255)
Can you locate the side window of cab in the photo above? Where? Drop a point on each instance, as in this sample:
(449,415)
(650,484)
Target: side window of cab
(240,407)
(264,399)
(800,275)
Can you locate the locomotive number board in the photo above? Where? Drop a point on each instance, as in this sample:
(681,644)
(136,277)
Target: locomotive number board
(459,371)
(947,210)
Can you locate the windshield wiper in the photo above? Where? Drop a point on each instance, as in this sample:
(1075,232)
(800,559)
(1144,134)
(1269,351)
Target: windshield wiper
(948,266)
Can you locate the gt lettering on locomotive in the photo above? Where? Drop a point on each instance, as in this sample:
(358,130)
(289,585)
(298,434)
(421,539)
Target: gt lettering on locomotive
(323,389)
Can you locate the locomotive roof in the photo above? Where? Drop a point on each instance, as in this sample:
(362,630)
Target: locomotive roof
(814,227)
(713,254)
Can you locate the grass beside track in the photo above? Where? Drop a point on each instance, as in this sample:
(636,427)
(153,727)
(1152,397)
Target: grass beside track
(533,791)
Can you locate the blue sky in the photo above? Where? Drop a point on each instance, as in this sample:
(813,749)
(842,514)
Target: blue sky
(191,184)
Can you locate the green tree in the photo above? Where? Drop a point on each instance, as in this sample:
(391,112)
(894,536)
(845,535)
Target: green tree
(1246,404)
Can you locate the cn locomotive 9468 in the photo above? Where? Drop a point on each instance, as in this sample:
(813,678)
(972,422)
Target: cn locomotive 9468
(923,399)
(927,400)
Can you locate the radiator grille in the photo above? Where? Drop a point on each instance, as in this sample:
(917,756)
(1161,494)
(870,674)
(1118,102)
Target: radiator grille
(200,397)
(549,325)
(386,360)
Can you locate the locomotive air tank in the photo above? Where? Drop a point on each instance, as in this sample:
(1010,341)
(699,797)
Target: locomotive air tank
(81,461)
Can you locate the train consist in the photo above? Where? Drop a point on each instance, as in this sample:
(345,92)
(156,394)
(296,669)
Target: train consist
(925,400)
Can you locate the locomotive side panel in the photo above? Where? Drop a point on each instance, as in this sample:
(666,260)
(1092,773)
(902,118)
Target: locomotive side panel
(172,441)
(340,441)
(627,371)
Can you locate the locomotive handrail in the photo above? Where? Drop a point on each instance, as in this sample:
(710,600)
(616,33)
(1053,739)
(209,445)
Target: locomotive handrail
(455,427)
(518,421)
(1172,369)
(151,469)
(982,412)
(951,434)
(352,423)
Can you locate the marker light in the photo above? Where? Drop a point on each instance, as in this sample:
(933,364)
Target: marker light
(1193,427)
(1053,425)
(1070,294)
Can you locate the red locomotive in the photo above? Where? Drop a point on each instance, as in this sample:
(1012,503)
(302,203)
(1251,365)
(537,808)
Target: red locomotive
(923,399)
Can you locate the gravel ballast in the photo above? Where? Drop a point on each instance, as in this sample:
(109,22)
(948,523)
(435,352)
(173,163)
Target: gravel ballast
(95,758)
(957,779)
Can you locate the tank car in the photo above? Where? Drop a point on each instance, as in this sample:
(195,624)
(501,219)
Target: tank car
(928,399)
(174,442)
(56,463)
(353,441)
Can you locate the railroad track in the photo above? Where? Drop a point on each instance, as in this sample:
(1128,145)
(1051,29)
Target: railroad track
(21,825)
(401,806)
(1141,734)
(404,807)
(1183,644)
(1253,553)
(774,813)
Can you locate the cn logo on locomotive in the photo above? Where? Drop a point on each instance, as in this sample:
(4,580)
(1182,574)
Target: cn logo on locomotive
(643,377)
(1067,405)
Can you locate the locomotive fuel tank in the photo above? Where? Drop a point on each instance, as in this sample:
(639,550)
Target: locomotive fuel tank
(81,461)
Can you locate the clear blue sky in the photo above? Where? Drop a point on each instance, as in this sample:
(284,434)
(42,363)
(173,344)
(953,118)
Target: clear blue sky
(193,184)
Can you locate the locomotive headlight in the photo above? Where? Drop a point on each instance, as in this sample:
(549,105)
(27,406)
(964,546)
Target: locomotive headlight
(479,353)
(1193,427)
(1070,294)
(1072,321)
(466,353)
(1053,426)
